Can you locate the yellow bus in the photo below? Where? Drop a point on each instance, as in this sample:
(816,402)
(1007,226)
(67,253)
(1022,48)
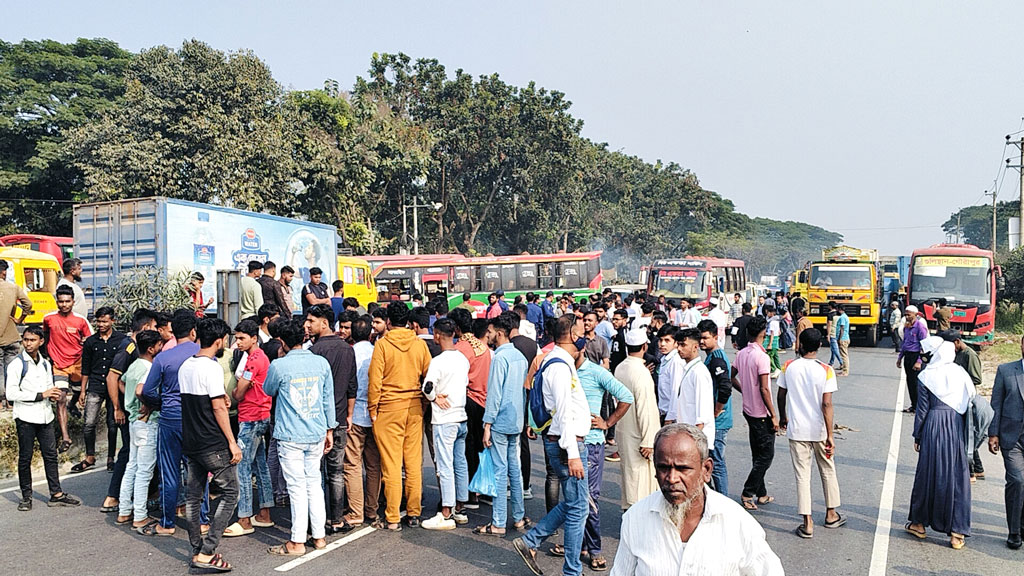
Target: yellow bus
(36,272)
(359,284)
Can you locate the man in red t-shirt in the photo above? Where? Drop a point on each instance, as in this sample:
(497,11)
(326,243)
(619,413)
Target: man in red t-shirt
(65,333)
(253,421)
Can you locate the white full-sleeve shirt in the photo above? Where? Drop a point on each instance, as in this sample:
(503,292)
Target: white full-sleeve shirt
(695,400)
(565,399)
(727,542)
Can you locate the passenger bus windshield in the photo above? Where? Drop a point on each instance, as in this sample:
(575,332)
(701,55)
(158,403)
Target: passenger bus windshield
(677,283)
(840,276)
(955,278)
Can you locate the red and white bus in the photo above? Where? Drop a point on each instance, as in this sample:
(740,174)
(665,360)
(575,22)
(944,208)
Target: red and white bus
(967,277)
(697,278)
(60,247)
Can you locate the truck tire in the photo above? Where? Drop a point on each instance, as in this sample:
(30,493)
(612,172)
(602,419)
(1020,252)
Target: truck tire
(871,341)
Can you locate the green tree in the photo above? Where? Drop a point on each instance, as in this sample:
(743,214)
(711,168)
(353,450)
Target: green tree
(196,124)
(976,224)
(47,89)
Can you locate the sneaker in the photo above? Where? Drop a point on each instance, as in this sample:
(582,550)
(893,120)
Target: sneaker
(485,499)
(459,517)
(473,503)
(64,499)
(528,494)
(439,522)
(613,457)
(25,505)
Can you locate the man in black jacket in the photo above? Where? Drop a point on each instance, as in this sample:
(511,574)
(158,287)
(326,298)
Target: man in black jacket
(342,358)
(273,291)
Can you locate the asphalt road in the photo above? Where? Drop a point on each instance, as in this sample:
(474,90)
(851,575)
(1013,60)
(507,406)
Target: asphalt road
(875,473)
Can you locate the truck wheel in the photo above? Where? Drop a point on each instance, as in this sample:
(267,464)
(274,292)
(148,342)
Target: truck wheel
(872,339)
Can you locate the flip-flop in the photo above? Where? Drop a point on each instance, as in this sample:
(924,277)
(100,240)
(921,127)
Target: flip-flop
(839,521)
(765,500)
(282,550)
(920,534)
(120,522)
(258,524)
(109,509)
(523,524)
(312,544)
(150,530)
(216,563)
(910,410)
(82,466)
(557,551)
(598,564)
(748,505)
(236,530)
(527,555)
(957,542)
(803,533)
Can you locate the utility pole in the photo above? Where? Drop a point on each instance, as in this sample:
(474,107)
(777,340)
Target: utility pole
(958,213)
(1020,168)
(993,195)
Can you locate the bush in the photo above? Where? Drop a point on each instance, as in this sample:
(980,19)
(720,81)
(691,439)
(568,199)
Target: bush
(146,287)
(1010,317)
(1013,273)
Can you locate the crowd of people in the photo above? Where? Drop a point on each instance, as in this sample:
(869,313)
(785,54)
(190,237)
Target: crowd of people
(323,410)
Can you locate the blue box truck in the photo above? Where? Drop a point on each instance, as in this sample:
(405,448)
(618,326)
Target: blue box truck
(111,237)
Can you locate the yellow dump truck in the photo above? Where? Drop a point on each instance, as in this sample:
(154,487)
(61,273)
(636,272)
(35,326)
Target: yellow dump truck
(849,277)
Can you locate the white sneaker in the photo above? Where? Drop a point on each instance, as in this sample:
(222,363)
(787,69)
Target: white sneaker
(439,522)
(528,494)
(460,517)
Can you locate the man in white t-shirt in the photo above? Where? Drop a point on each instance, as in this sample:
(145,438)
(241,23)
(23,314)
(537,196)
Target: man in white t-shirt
(690,315)
(72,268)
(445,386)
(808,384)
(718,316)
(695,401)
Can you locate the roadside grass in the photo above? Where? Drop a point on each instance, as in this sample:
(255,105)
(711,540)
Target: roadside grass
(9,444)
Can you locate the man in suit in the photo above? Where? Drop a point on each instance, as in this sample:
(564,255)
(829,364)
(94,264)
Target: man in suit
(1007,433)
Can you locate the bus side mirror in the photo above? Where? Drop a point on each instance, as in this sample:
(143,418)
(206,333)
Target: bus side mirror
(705,279)
(1000,279)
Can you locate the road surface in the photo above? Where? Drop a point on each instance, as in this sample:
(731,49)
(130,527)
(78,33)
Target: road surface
(875,459)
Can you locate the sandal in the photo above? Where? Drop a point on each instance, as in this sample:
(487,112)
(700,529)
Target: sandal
(748,504)
(488,530)
(803,533)
(765,500)
(110,466)
(151,530)
(64,446)
(839,521)
(957,541)
(82,466)
(236,530)
(919,533)
(312,544)
(598,564)
(523,524)
(557,550)
(121,522)
(282,550)
(910,410)
(381,524)
(216,563)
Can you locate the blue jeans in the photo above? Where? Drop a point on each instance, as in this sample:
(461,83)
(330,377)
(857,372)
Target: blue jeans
(833,345)
(139,471)
(720,475)
(571,512)
(595,472)
(452,468)
(505,454)
(250,442)
(171,462)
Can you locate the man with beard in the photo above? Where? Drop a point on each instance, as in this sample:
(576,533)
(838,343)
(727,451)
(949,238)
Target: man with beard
(685,528)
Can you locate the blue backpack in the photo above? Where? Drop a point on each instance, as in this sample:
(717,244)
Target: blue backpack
(540,417)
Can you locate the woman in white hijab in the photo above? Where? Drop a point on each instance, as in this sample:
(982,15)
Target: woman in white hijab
(941,498)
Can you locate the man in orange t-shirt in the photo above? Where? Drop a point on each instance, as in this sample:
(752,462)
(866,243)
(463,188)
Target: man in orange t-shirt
(66,330)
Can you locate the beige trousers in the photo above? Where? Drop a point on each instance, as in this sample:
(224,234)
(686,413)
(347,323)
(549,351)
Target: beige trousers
(801,452)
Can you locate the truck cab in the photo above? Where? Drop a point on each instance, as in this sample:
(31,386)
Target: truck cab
(36,272)
(849,277)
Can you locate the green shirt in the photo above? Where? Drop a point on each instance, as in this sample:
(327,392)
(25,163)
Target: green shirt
(968,360)
(136,374)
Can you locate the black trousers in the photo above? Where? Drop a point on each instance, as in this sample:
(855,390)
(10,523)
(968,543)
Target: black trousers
(762,452)
(909,359)
(121,463)
(524,451)
(28,433)
(474,435)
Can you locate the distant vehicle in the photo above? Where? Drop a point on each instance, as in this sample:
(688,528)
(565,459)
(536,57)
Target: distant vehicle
(60,247)
(356,275)
(696,277)
(452,275)
(111,237)
(967,278)
(36,272)
(849,277)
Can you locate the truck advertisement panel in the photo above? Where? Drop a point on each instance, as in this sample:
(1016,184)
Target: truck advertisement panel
(211,239)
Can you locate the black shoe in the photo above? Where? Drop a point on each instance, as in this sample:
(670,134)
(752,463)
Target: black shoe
(412,521)
(25,505)
(64,499)
(1013,542)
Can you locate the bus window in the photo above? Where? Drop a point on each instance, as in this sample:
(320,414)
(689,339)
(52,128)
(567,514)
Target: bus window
(491,278)
(508,276)
(527,276)
(570,275)
(545,275)
(593,270)
(462,279)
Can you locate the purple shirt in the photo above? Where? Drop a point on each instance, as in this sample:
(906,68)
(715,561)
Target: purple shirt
(912,338)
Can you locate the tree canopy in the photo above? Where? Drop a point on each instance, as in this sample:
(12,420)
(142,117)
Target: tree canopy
(491,167)
(976,224)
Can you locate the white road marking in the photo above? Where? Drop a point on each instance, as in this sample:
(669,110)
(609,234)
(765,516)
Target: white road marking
(63,479)
(883,526)
(330,547)
(317,553)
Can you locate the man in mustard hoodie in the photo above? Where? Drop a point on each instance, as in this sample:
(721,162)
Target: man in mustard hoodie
(398,365)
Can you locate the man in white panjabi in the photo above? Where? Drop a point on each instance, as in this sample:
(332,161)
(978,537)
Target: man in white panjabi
(635,432)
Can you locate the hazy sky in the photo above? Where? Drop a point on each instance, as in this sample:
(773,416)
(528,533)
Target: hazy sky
(873,119)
